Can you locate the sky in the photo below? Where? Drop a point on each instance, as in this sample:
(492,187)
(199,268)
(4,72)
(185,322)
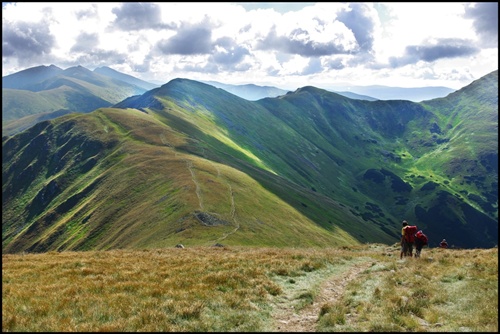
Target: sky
(285,45)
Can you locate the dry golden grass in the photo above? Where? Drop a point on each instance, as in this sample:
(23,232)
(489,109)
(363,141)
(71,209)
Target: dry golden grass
(235,288)
(447,290)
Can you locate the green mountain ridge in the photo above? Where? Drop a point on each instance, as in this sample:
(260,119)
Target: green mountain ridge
(48,89)
(190,163)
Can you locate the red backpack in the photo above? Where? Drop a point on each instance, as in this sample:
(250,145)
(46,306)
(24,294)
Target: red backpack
(420,235)
(410,231)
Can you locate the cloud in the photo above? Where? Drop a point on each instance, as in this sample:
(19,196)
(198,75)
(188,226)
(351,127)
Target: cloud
(228,52)
(144,67)
(137,16)
(99,57)
(85,42)
(485,17)
(88,54)
(335,63)
(191,39)
(299,42)
(206,67)
(26,41)
(359,20)
(327,41)
(280,7)
(87,13)
(314,66)
(442,48)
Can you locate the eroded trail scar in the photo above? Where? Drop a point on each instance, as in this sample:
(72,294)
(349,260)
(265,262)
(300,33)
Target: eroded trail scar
(233,207)
(332,289)
(198,189)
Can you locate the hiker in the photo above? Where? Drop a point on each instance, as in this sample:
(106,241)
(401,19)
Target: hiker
(405,245)
(443,244)
(420,241)
(403,249)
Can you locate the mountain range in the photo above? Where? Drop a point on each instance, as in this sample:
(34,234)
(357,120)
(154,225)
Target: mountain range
(368,93)
(379,92)
(190,163)
(45,92)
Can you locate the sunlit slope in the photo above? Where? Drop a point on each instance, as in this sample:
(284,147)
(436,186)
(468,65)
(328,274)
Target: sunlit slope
(468,122)
(293,139)
(20,103)
(119,178)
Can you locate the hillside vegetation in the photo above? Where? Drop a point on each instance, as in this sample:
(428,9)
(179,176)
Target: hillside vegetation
(364,288)
(189,163)
(48,89)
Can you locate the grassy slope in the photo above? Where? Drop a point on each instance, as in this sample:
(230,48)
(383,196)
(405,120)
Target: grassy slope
(76,89)
(242,289)
(326,143)
(147,178)
(19,103)
(140,191)
(468,119)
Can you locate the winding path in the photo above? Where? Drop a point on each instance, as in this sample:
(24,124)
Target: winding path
(233,207)
(200,197)
(198,189)
(331,290)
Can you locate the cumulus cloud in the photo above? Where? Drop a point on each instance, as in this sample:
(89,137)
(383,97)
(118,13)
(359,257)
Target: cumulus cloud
(251,41)
(314,66)
(137,16)
(26,41)
(190,39)
(85,42)
(442,48)
(87,13)
(335,63)
(205,67)
(485,17)
(143,67)
(98,57)
(228,52)
(299,42)
(358,19)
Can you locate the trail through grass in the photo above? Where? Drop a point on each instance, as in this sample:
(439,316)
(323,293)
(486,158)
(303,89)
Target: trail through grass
(243,289)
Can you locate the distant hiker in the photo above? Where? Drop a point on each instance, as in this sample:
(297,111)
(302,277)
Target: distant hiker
(420,241)
(443,244)
(407,239)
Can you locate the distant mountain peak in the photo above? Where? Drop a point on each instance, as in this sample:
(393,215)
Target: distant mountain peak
(77,68)
(108,71)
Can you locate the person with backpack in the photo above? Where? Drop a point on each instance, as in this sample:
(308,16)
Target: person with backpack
(420,241)
(407,239)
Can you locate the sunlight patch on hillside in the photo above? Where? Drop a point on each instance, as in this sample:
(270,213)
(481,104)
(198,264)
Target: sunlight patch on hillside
(205,121)
(226,140)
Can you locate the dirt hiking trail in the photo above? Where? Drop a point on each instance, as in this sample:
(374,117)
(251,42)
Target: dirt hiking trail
(287,319)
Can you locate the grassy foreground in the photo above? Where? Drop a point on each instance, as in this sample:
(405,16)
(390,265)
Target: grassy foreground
(235,289)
